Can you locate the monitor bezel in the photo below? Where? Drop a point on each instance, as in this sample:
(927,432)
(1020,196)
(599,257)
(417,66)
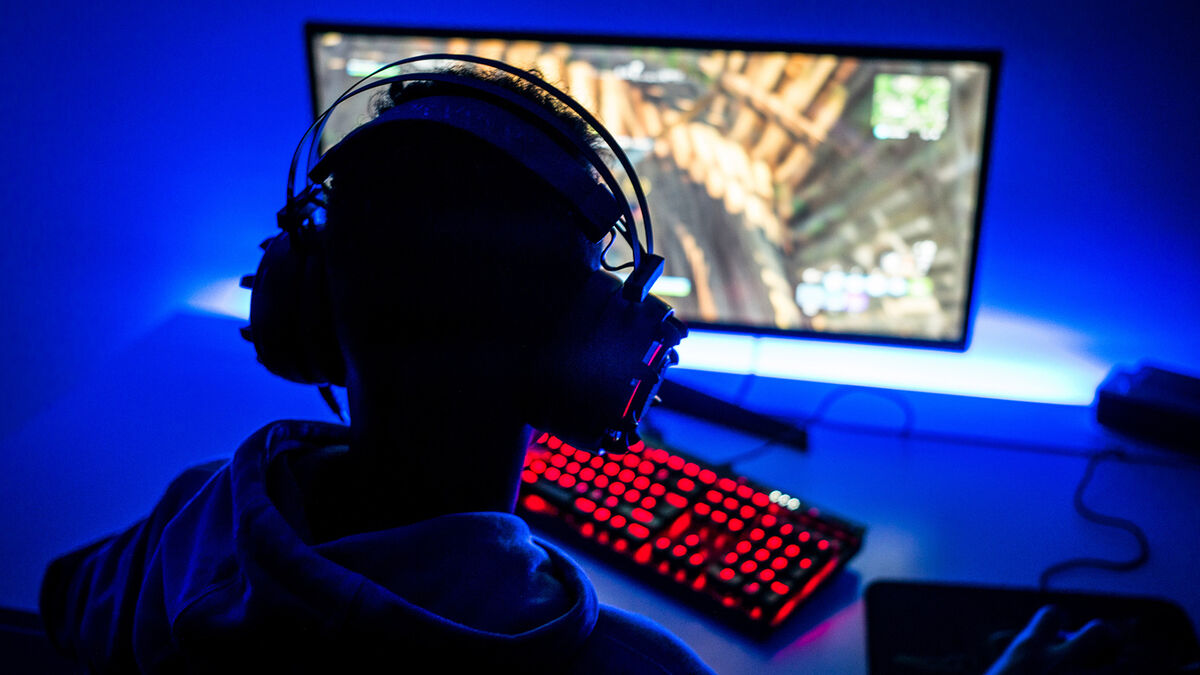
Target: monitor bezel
(991,58)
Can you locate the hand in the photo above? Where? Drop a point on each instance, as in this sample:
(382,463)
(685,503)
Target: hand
(1043,647)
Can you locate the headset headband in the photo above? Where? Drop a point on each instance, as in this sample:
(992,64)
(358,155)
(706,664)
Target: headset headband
(511,134)
(639,282)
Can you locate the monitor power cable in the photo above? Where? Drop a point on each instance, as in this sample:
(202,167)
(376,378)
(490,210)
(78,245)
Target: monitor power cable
(1100,519)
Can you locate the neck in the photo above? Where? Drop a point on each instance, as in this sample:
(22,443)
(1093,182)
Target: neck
(419,460)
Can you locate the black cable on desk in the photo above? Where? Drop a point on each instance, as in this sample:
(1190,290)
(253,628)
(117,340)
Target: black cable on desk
(907,431)
(1084,511)
(1100,519)
(838,392)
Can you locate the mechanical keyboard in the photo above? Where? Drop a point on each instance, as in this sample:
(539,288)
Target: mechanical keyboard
(744,551)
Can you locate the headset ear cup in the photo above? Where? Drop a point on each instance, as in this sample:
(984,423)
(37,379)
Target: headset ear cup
(291,319)
(603,364)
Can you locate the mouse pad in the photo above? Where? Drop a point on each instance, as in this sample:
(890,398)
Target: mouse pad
(924,628)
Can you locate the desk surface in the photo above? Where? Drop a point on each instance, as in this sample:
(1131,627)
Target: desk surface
(936,511)
(996,511)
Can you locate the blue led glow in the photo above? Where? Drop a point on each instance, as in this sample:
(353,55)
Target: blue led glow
(222,298)
(1011,357)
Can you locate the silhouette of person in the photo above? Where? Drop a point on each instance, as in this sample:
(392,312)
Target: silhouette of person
(321,547)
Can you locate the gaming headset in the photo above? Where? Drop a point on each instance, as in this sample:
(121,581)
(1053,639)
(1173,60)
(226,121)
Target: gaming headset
(608,353)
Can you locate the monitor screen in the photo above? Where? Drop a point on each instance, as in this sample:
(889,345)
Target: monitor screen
(823,192)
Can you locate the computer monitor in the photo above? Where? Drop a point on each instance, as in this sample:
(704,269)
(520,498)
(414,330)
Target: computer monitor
(827,192)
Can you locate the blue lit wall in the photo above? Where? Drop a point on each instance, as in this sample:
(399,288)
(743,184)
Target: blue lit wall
(145,150)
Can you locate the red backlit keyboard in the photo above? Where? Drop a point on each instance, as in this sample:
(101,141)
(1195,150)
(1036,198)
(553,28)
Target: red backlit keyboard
(750,553)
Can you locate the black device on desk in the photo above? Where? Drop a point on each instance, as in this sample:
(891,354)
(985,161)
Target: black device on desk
(741,550)
(926,628)
(1152,404)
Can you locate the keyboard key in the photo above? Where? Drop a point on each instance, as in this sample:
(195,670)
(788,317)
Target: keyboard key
(676,500)
(690,526)
(642,515)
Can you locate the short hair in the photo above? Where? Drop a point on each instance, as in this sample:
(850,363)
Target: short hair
(433,225)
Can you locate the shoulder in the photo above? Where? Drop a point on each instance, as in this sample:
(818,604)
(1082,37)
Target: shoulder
(624,642)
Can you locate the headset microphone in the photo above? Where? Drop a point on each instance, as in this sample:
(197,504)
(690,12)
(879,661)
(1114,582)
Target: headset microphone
(608,353)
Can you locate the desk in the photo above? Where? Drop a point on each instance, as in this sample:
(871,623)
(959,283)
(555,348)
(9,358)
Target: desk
(937,511)
(997,514)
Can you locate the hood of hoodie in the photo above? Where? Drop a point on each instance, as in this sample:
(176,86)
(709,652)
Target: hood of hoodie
(234,570)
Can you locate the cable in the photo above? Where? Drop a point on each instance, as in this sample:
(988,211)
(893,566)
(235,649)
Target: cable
(842,391)
(801,426)
(1094,459)
(761,448)
(1100,519)
(1003,444)
(908,431)
(612,238)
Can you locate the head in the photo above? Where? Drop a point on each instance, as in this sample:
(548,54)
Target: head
(448,259)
